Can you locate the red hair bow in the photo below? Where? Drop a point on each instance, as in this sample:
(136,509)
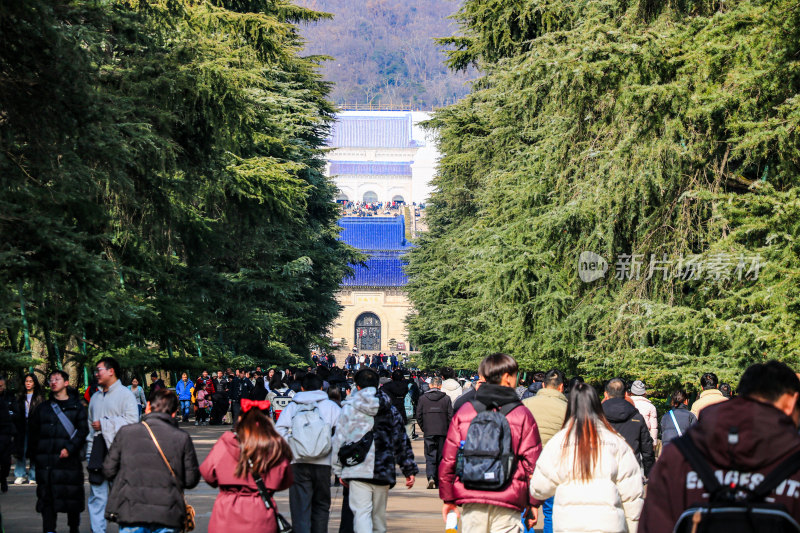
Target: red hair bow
(263,405)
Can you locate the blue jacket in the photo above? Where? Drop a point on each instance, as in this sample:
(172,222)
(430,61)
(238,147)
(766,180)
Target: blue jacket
(184,390)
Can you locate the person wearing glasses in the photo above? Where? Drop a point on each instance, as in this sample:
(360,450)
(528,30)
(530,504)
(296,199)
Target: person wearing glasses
(111,407)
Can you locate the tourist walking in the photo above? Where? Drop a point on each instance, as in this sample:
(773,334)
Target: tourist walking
(370,439)
(240,388)
(450,386)
(184,389)
(203,398)
(138,394)
(254,448)
(308,424)
(397,389)
(677,421)
(741,442)
(628,422)
(549,408)
(434,412)
(27,402)
(151,464)
(645,408)
(491,500)
(710,394)
(590,471)
(111,407)
(58,430)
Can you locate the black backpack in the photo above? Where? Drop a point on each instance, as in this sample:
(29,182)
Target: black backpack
(487,457)
(735,509)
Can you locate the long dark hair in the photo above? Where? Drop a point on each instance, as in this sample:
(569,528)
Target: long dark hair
(259,443)
(37,388)
(583,413)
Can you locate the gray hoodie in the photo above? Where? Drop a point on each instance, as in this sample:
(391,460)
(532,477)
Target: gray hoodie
(328,411)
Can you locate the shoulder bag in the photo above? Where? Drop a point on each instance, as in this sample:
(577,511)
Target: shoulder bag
(283,525)
(188,519)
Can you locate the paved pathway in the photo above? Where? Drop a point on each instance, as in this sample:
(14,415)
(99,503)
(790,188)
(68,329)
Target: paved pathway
(417,509)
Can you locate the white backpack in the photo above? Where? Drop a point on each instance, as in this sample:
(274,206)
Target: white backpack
(310,437)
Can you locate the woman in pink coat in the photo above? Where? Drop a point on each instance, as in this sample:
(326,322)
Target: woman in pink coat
(239,507)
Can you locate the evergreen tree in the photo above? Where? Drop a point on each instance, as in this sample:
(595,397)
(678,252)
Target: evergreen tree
(647,128)
(194,138)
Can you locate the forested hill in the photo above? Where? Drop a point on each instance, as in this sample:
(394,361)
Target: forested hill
(384,51)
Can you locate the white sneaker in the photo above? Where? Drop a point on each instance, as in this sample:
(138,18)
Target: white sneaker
(20,481)
(32,482)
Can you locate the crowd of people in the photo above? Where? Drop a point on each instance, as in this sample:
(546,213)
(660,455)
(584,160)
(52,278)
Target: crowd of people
(368,209)
(496,450)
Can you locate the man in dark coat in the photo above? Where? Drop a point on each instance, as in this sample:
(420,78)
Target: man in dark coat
(58,430)
(145,493)
(434,412)
(629,423)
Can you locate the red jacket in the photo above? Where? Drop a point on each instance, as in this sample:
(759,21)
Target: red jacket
(524,438)
(239,507)
(766,437)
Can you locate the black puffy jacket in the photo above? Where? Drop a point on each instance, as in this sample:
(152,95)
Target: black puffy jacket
(144,491)
(396,391)
(59,481)
(629,423)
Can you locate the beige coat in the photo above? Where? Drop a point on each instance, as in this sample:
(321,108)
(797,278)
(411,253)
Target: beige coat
(549,408)
(648,411)
(707,397)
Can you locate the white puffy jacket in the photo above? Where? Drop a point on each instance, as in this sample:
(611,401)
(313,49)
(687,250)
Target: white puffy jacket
(610,503)
(452,388)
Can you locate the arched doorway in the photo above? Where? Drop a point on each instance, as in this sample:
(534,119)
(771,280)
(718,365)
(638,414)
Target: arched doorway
(370,197)
(342,197)
(398,199)
(368,332)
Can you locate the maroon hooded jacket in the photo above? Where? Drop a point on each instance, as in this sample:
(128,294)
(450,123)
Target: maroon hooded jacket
(524,439)
(766,438)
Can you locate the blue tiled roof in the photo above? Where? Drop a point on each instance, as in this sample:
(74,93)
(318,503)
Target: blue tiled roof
(374,233)
(381,270)
(372,132)
(383,239)
(379,168)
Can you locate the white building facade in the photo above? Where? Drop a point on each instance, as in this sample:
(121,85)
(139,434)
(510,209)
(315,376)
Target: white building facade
(382,156)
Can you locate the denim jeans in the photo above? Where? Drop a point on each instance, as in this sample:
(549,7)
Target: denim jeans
(186,408)
(147,529)
(98,497)
(19,467)
(547,511)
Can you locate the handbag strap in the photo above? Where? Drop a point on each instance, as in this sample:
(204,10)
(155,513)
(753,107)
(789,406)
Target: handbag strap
(155,441)
(675,423)
(262,488)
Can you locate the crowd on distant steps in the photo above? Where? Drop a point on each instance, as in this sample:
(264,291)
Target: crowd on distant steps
(503,455)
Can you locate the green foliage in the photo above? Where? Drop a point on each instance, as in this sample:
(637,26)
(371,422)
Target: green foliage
(161,182)
(618,128)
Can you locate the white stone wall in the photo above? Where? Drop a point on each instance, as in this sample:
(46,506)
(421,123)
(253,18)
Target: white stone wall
(424,158)
(390,305)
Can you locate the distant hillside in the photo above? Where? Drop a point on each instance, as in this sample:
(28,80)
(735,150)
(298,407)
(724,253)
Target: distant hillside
(384,52)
